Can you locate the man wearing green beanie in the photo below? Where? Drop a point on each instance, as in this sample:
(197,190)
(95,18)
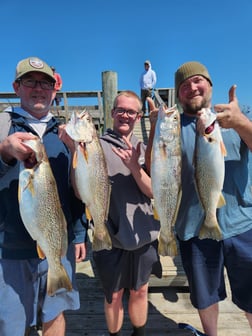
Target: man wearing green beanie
(204,260)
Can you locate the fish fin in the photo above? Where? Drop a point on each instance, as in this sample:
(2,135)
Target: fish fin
(210,230)
(84,151)
(167,248)
(75,160)
(221,201)
(29,184)
(223,149)
(57,280)
(101,242)
(19,194)
(177,206)
(40,252)
(88,214)
(108,200)
(155,214)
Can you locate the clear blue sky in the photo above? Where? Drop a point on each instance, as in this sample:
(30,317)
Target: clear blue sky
(83,38)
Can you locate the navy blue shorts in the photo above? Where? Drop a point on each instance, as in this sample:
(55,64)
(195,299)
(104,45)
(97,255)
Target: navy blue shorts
(204,262)
(119,268)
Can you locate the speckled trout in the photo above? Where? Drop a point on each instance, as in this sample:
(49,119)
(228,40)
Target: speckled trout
(166,176)
(42,214)
(91,176)
(209,172)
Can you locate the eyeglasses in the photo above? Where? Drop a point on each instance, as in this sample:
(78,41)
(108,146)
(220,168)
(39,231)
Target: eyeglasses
(120,111)
(32,83)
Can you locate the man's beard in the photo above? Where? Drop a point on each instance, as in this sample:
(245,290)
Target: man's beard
(193,108)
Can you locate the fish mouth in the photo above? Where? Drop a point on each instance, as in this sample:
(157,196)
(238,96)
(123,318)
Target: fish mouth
(210,128)
(30,162)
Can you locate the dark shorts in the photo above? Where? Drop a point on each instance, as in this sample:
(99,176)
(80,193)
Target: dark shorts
(204,262)
(119,268)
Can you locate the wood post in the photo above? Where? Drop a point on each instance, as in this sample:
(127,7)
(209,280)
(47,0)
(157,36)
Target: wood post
(109,88)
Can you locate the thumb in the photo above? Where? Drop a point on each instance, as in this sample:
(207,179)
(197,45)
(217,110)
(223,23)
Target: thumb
(232,94)
(151,103)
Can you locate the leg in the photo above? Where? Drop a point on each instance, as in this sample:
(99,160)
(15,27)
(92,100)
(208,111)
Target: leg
(143,99)
(114,312)
(209,319)
(239,270)
(55,327)
(53,307)
(57,101)
(203,263)
(138,306)
(249,317)
(149,95)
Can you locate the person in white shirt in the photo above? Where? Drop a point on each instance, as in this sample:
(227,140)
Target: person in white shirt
(148,80)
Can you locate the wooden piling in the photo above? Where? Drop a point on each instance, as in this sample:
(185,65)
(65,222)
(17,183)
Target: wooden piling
(109,88)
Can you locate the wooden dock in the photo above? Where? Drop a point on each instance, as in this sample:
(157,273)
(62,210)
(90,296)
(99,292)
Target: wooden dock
(168,306)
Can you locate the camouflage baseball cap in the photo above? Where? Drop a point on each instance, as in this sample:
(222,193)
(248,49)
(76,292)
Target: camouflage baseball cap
(33,64)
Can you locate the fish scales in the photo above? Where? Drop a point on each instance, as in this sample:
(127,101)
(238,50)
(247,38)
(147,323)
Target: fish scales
(91,176)
(209,172)
(43,216)
(166,176)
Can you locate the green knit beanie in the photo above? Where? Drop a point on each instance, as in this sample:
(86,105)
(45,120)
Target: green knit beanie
(188,70)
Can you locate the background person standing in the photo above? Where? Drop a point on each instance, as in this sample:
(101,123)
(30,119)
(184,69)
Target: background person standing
(58,85)
(148,81)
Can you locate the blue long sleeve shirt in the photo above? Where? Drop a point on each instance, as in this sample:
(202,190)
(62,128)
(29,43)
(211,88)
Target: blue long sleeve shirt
(15,241)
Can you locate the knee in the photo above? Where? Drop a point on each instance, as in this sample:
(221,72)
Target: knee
(116,299)
(142,292)
(57,324)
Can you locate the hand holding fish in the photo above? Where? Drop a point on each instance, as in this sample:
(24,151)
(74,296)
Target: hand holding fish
(90,176)
(153,111)
(13,148)
(64,137)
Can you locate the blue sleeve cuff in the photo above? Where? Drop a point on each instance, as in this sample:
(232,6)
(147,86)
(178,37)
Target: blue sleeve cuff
(5,167)
(80,230)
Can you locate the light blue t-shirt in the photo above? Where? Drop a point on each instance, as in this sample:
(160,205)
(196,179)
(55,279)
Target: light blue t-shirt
(236,216)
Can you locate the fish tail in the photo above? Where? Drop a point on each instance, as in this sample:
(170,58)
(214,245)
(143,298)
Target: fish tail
(103,242)
(57,280)
(167,248)
(210,230)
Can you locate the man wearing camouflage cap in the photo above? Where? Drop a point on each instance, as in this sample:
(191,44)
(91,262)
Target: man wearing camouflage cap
(23,275)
